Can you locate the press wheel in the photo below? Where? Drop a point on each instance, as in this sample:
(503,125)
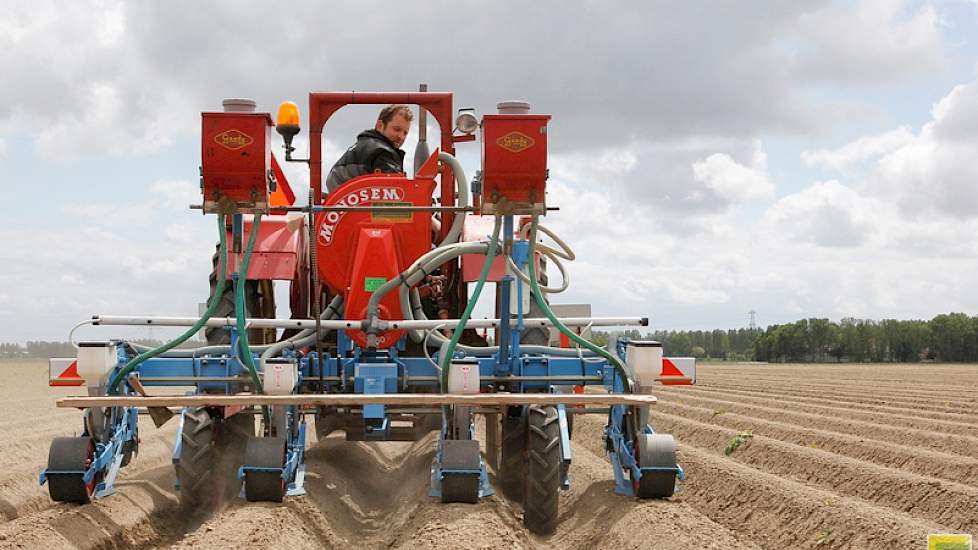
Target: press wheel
(71,454)
(655,450)
(265,452)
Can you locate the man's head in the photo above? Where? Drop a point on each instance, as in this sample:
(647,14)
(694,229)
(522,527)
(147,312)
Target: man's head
(394,122)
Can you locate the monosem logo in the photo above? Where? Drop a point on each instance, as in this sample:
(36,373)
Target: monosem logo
(948,542)
(515,142)
(355,198)
(233,139)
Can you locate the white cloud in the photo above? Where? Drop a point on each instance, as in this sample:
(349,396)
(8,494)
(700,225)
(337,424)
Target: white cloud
(104,123)
(93,271)
(826,214)
(862,149)
(183,233)
(933,175)
(734,181)
(3,148)
(110,215)
(878,40)
(177,194)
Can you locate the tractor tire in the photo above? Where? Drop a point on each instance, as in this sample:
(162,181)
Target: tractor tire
(236,430)
(259,302)
(542,470)
(512,461)
(213,450)
(195,470)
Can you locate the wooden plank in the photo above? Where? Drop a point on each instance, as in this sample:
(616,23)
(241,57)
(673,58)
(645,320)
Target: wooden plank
(350,399)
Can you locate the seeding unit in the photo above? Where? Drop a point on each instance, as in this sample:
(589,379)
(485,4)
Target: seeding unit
(381,344)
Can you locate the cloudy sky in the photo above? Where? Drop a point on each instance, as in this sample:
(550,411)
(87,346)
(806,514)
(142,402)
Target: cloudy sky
(709,158)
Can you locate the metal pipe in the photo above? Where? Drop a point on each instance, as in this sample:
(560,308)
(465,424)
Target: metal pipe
(360,399)
(358,324)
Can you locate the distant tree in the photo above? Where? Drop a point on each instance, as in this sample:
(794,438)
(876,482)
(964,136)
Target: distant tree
(679,344)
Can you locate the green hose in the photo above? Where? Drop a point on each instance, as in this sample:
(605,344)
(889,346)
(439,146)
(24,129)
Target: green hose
(446,360)
(240,310)
(211,307)
(615,361)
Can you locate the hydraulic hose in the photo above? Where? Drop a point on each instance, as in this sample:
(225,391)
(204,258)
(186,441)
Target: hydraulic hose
(615,361)
(418,270)
(211,308)
(554,254)
(449,350)
(450,240)
(429,263)
(297,341)
(239,306)
(307,336)
(462,186)
(411,309)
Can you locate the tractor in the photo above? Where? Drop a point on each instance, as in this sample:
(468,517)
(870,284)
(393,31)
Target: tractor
(381,343)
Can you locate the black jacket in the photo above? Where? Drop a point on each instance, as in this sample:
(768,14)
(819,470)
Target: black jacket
(372,152)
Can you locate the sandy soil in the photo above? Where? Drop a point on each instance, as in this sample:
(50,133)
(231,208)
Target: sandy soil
(842,456)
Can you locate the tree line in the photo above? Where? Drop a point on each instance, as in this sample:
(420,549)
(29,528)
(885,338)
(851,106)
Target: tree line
(951,337)
(45,350)
(727,345)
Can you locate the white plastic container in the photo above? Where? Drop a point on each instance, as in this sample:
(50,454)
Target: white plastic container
(644,359)
(463,377)
(279,376)
(95,360)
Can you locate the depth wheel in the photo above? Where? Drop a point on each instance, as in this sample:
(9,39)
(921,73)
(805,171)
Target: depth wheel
(512,463)
(655,450)
(542,470)
(71,453)
(265,452)
(460,454)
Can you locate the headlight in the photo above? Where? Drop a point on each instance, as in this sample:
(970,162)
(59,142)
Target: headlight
(466,122)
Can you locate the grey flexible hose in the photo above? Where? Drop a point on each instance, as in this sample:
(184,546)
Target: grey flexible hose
(333,307)
(307,336)
(419,269)
(463,198)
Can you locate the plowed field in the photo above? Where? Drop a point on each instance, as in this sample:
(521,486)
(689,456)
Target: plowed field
(838,456)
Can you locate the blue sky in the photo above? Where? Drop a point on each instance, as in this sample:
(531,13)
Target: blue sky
(682,131)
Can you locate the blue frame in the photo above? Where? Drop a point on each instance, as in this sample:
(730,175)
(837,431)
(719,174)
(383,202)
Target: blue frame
(385,372)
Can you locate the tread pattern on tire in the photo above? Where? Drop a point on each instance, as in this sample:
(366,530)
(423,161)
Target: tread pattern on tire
(195,469)
(512,461)
(542,470)
(259,302)
(209,464)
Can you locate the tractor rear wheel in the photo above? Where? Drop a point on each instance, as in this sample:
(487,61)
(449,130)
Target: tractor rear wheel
(512,463)
(259,303)
(213,450)
(197,460)
(542,470)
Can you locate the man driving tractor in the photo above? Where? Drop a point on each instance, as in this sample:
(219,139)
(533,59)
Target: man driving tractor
(376,150)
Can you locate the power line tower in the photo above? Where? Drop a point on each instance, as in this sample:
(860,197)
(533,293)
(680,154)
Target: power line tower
(753,321)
